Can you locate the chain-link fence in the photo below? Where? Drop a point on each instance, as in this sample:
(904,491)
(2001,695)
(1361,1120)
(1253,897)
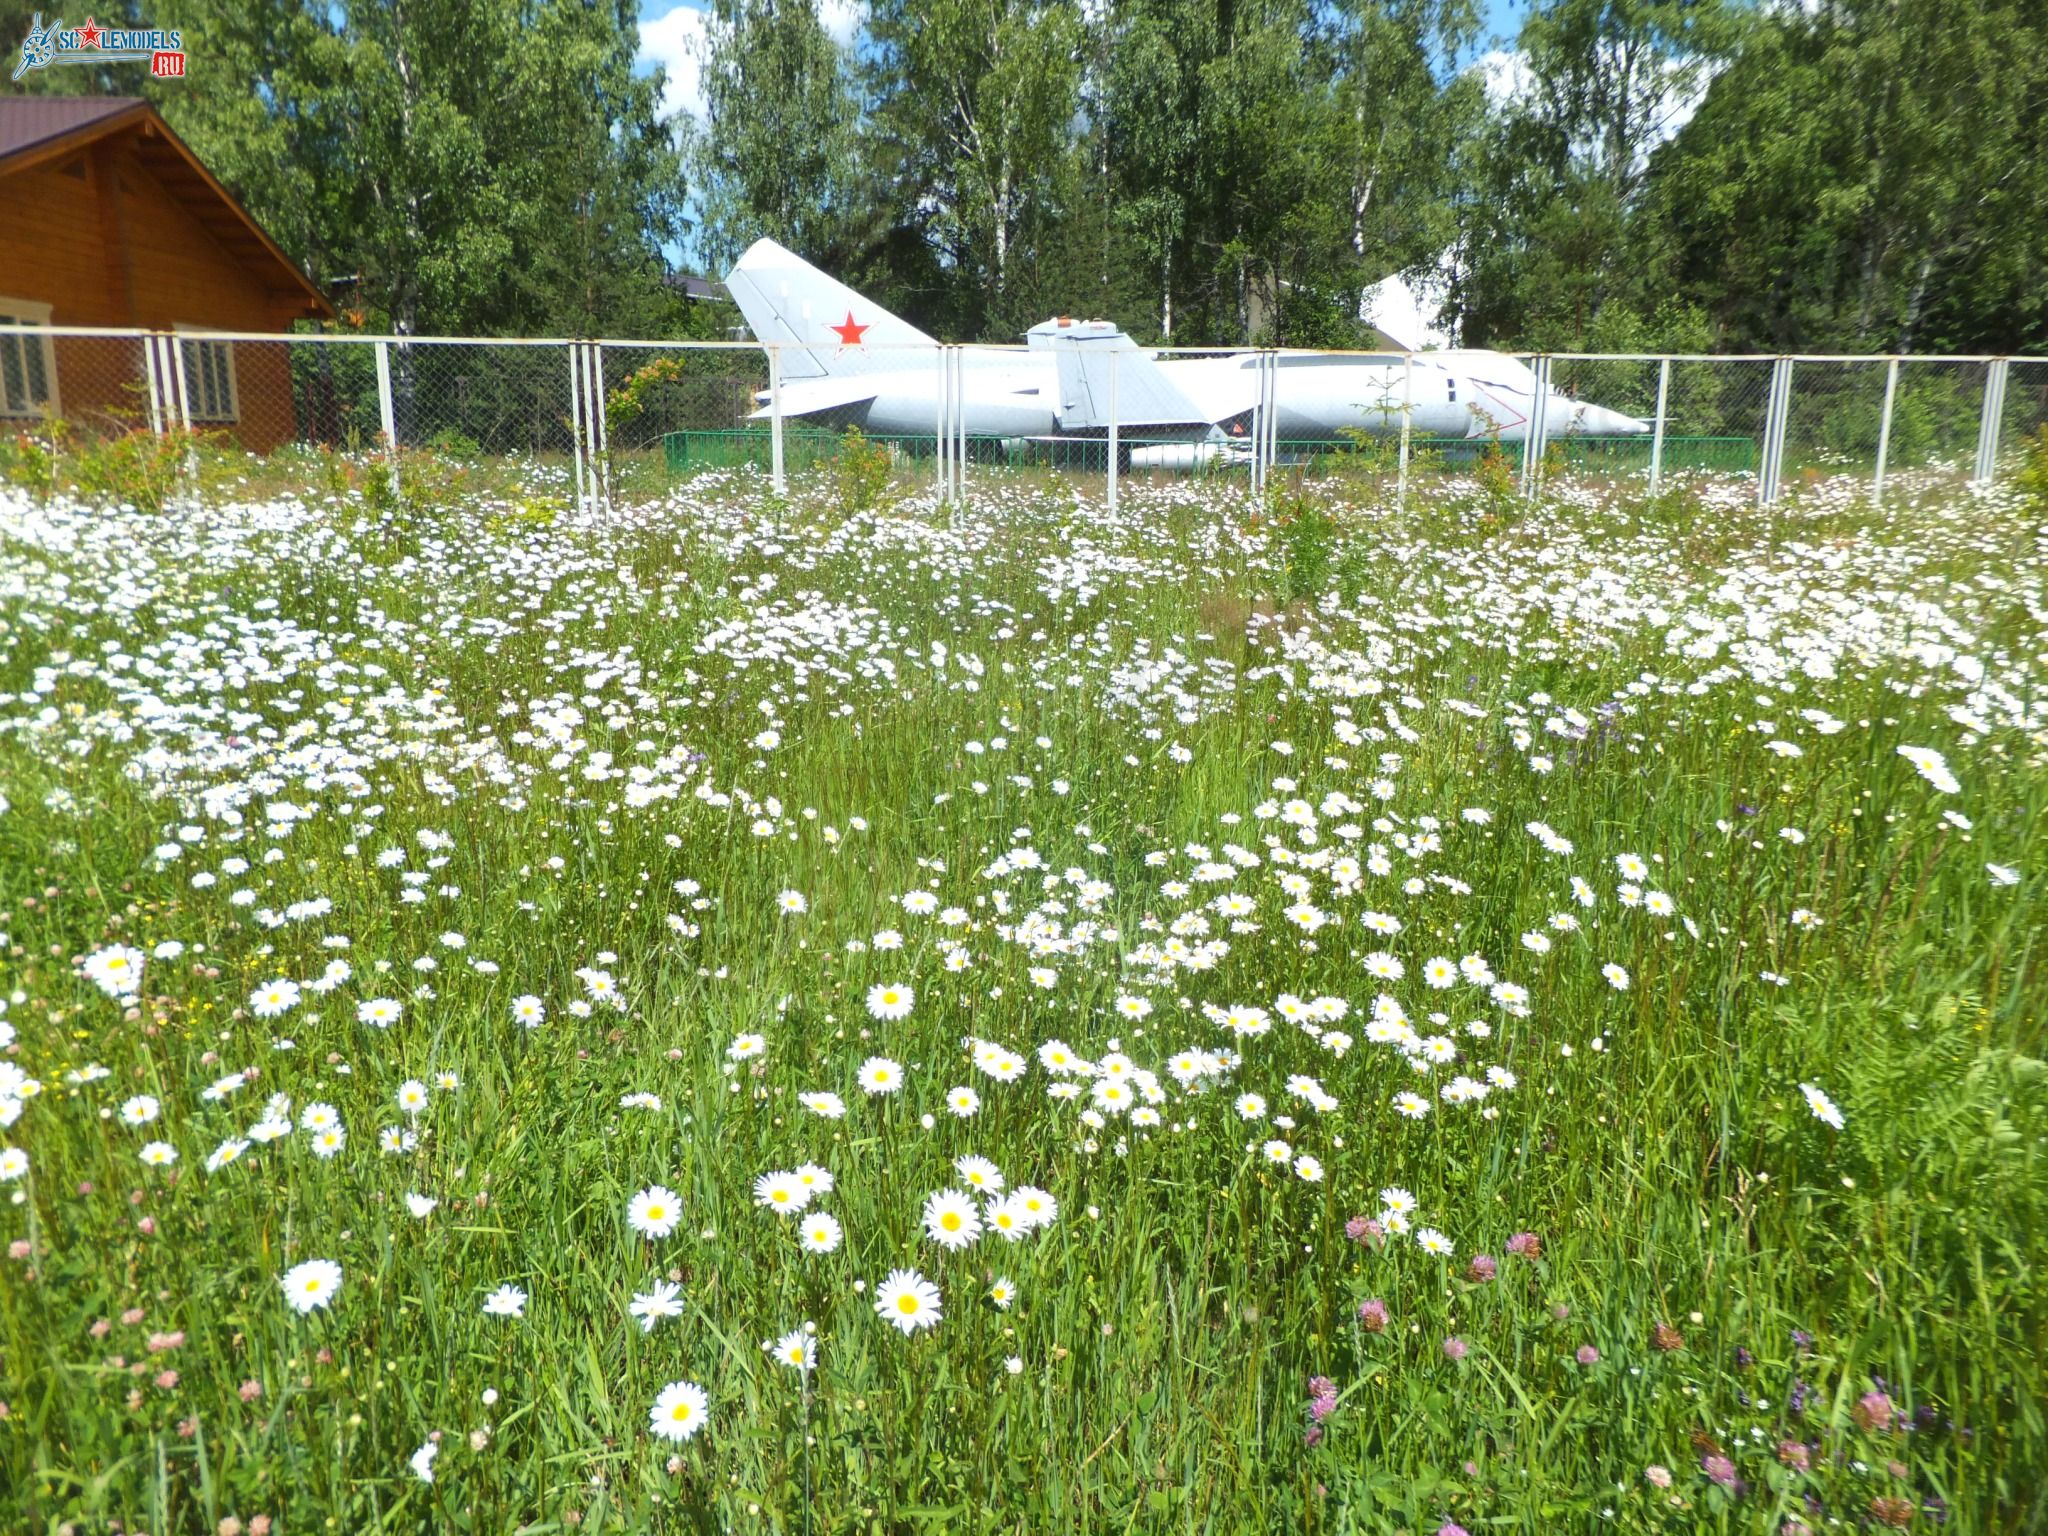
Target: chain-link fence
(597,421)
(98,384)
(1835,418)
(1936,415)
(2024,414)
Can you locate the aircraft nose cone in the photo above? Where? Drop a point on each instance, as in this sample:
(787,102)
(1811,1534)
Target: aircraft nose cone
(1598,421)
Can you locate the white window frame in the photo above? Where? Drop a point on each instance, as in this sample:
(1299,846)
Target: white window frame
(28,312)
(196,342)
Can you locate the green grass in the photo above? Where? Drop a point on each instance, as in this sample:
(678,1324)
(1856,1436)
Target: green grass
(456,661)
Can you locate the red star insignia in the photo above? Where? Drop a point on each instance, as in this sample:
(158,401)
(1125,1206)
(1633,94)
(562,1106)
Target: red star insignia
(89,34)
(849,333)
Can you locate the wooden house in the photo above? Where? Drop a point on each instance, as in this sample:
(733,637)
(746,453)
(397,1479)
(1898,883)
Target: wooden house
(107,218)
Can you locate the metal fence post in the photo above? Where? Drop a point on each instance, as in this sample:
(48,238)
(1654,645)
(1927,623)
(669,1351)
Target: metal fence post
(1784,432)
(387,419)
(1258,424)
(1993,417)
(1777,412)
(152,370)
(177,349)
(1764,493)
(576,421)
(603,462)
(1112,431)
(775,474)
(1537,428)
(592,429)
(1529,427)
(159,385)
(177,360)
(949,424)
(1263,434)
(955,427)
(1657,431)
(939,449)
(1884,431)
(1273,415)
(1407,424)
(960,424)
(1259,430)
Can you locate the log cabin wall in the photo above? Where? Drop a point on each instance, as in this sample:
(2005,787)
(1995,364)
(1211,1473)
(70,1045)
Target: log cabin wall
(123,230)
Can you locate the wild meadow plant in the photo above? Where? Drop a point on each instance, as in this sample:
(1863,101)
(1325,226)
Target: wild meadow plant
(796,1015)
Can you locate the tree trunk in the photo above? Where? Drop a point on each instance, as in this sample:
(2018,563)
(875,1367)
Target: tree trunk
(1003,226)
(1866,306)
(405,298)
(404,376)
(1913,302)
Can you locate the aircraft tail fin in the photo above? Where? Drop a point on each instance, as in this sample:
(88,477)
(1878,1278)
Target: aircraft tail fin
(1103,373)
(826,329)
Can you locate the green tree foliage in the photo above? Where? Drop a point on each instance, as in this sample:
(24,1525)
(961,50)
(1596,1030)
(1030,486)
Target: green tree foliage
(480,166)
(1863,175)
(973,110)
(776,155)
(456,154)
(1405,126)
(1143,111)
(1869,175)
(1248,166)
(1546,243)
(1270,226)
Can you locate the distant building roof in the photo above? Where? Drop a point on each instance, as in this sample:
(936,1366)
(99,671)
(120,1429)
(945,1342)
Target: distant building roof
(26,121)
(690,286)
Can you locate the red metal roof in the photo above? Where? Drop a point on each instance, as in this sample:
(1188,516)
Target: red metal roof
(26,121)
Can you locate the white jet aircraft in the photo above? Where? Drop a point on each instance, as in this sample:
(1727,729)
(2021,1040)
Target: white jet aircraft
(849,360)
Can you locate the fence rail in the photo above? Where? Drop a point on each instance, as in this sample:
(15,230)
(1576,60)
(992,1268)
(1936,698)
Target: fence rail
(626,415)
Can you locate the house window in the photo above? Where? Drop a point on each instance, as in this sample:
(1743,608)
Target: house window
(209,378)
(28,367)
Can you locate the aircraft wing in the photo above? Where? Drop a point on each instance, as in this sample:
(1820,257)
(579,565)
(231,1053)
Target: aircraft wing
(803,397)
(1219,390)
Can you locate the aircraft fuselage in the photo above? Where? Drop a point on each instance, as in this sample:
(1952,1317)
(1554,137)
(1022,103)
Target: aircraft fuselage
(1318,398)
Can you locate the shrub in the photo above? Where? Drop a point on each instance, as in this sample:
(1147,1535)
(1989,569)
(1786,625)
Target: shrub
(28,459)
(628,402)
(453,444)
(2033,476)
(140,468)
(1308,537)
(860,474)
(1494,473)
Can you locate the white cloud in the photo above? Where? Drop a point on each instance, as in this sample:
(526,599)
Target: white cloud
(843,19)
(1506,76)
(675,41)
(1405,311)
(1504,72)
(1679,103)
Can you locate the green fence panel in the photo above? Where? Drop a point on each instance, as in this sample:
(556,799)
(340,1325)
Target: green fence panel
(687,452)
